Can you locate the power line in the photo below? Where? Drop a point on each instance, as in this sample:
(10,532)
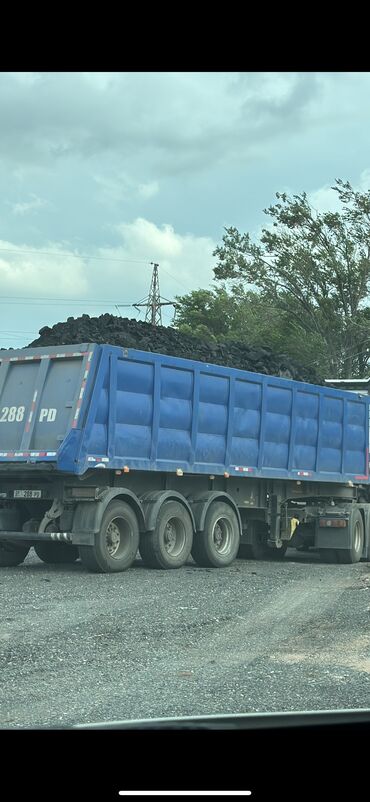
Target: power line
(350,352)
(176,279)
(45,302)
(16,337)
(56,303)
(69,300)
(76,256)
(99,258)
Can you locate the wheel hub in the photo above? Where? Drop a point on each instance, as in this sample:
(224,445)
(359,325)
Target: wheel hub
(218,535)
(222,536)
(169,537)
(113,538)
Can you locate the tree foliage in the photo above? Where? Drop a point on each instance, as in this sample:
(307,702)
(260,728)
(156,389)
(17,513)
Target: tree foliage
(245,316)
(313,269)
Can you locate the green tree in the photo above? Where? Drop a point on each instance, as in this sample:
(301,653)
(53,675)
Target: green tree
(314,268)
(206,314)
(246,316)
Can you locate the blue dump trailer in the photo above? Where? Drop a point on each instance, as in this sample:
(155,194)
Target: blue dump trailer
(106,451)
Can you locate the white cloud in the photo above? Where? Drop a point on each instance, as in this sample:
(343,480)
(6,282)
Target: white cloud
(364,182)
(31,272)
(148,190)
(121,186)
(185,261)
(101,80)
(25,78)
(178,121)
(121,275)
(143,236)
(324,199)
(113,188)
(28,206)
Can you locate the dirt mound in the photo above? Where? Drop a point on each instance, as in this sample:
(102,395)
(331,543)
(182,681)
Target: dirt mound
(129,333)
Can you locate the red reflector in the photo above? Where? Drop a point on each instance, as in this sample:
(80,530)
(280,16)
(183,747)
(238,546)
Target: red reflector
(334,522)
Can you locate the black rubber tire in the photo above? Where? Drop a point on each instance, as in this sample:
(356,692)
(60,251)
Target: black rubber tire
(205,551)
(353,554)
(12,555)
(56,553)
(97,557)
(153,549)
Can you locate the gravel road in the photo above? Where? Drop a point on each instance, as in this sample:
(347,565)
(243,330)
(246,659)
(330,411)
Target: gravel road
(258,636)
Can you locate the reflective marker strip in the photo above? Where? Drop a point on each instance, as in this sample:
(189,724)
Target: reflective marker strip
(82,390)
(28,453)
(44,356)
(304,473)
(65,356)
(28,424)
(78,404)
(242,469)
(78,407)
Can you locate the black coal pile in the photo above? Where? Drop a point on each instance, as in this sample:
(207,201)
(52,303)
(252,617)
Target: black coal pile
(135,334)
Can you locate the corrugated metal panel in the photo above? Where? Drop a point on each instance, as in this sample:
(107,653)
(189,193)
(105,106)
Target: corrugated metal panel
(85,406)
(41,393)
(169,414)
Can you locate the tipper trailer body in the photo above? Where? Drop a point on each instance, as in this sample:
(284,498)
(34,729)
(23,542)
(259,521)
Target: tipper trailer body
(104,450)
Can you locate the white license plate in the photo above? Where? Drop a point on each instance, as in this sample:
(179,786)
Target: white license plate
(27,493)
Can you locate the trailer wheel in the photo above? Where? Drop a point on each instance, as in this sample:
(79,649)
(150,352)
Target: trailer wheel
(218,544)
(116,543)
(354,554)
(56,553)
(12,555)
(169,545)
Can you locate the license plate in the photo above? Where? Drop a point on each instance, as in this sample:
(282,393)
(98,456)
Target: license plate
(27,493)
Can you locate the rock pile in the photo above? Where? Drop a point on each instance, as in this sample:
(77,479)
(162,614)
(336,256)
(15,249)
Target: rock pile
(129,333)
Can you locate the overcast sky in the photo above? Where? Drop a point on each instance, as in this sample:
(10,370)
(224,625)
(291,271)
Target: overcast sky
(144,167)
